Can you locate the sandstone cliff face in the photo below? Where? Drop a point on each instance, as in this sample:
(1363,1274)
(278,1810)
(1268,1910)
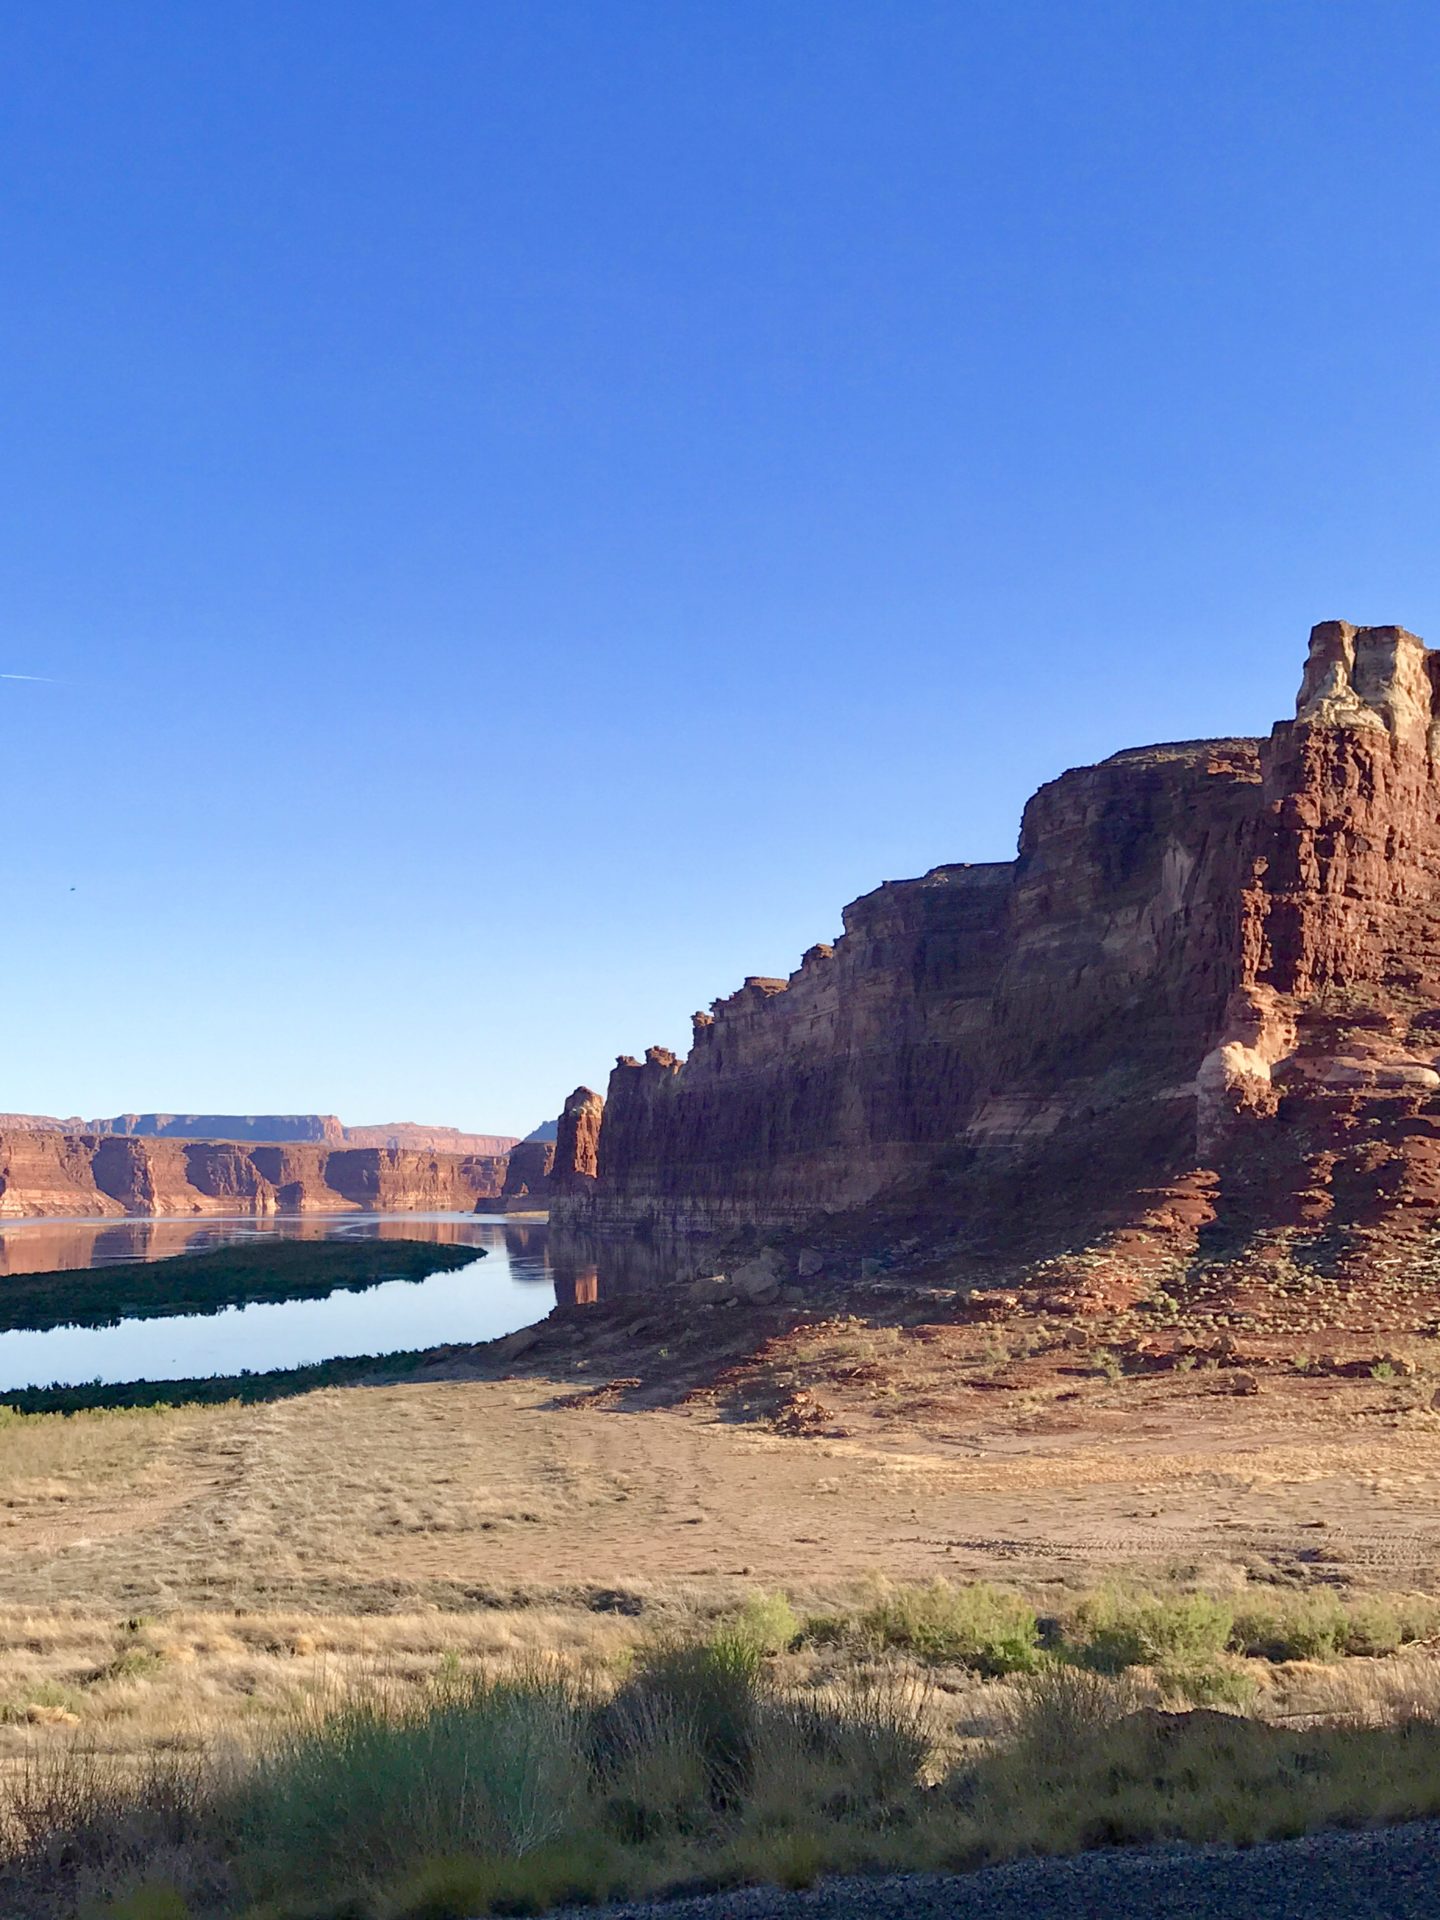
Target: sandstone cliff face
(1208,987)
(576,1158)
(407,1133)
(267,1128)
(221,1126)
(48,1174)
(576,1141)
(979,1014)
(819,1090)
(527,1169)
(1318,1100)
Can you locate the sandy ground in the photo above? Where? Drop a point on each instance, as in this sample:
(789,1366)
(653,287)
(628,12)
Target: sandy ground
(180,1576)
(457,1492)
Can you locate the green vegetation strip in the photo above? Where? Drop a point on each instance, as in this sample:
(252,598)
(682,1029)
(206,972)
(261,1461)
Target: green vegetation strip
(223,1389)
(224,1277)
(1199,1647)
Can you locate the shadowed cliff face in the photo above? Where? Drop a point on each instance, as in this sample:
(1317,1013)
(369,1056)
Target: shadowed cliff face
(815,1091)
(1208,987)
(971,1017)
(527,1169)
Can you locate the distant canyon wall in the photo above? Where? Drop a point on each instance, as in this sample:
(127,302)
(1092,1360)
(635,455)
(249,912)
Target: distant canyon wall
(322,1128)
(1214,963)
(527,1170)
(48,1173)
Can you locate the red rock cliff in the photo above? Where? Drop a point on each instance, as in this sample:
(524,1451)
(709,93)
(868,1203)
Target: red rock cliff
(268,1128)
(1216,954)
(46,1173)
(527,1170)
(1318,1101)
(577,1143)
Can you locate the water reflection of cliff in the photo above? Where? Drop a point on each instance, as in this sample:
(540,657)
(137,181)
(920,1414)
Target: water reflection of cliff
(53,1246)
(586,1268)
(71,1245)
(582,1268)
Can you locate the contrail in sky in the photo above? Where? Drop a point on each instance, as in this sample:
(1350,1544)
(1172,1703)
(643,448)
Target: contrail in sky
(43,678)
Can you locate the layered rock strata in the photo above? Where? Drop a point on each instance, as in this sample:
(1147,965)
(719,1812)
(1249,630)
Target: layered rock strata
(576,1158)
(45,1173)
(527,1170)
(1320,1100)
(1205,993)
(324,1128)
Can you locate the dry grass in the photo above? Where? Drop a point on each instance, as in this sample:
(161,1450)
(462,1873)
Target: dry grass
(49,1457)
(195,1680)
(459,1492)
(269,1553)
(531,1784)
(185,1586)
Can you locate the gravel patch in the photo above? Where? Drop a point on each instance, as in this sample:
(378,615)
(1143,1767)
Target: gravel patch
(1389,1874)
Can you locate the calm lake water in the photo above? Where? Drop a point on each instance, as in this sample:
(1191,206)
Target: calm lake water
(524,1271)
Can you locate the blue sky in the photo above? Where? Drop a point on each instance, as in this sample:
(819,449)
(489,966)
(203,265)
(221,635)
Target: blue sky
(522,510)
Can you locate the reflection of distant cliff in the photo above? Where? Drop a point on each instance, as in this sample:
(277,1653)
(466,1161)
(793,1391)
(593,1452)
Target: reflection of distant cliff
(524,1240)
(52,1246)
(71,1246)
(587,1268)
(582,1268)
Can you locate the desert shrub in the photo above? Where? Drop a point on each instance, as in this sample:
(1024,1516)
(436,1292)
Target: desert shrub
(980,1626)
(130,1663)
(1113,1630)
(1217,1683)
(1375,1625)
(578,1871)
(446,1889)
(796,1861)
(825,1629)
(1050,1714)
(862,1744)
(690,1707)
(43,1700)
(1301,1626)
(1204,1776)
(522,1793)
(142,1842)
(1381,1623)
(766,1622)
(1323,1626)
(155,1900)
(479,1766)
(701,1743)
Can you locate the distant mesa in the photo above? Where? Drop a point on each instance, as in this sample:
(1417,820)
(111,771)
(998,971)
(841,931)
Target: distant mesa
(277,1127)
(408,1133)
(211,1163)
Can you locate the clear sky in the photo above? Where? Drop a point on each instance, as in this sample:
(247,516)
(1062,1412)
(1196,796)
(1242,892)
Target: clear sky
(519,509)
